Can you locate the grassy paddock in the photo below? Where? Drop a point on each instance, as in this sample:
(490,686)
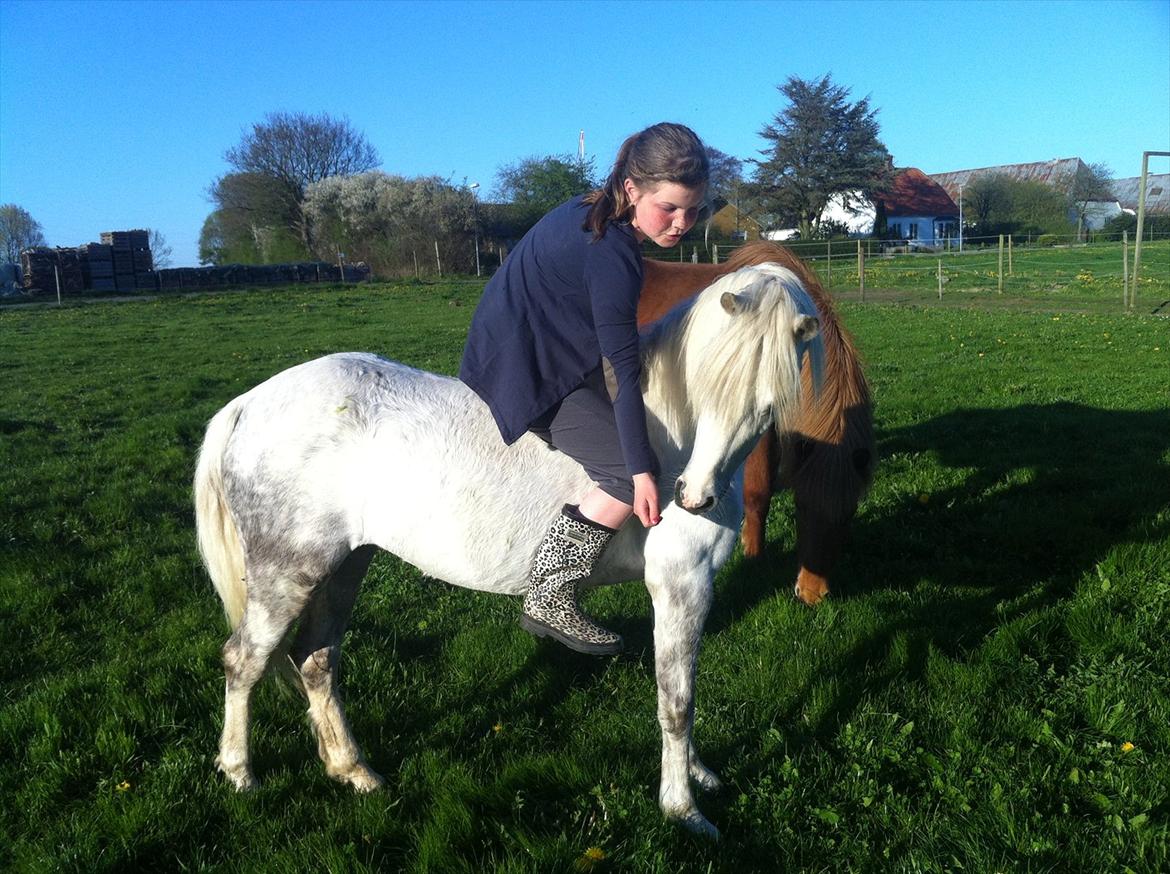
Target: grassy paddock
(986,691)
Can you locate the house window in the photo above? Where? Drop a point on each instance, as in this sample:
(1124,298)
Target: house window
(913,231)
(896,229)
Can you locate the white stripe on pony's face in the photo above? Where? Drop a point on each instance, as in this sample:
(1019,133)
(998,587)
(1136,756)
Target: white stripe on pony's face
(759,323)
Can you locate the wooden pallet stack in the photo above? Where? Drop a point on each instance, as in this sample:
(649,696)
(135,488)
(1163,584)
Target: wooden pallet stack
(133,264)
(97,266)
(46,269)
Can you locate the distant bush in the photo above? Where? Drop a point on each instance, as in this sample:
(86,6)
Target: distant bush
(1155,227)
(1048,240)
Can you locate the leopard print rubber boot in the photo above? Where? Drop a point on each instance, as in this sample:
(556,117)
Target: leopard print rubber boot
(566,555)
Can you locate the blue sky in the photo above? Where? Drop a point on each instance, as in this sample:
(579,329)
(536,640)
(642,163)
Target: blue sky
(116,115)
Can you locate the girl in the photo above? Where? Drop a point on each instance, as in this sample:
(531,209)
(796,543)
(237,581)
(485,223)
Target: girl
(561,312)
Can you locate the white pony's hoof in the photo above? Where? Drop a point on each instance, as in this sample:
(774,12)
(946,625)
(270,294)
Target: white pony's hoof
(240,777)
(696,824)
(361,778)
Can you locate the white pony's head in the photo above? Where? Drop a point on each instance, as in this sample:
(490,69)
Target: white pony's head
(744,340)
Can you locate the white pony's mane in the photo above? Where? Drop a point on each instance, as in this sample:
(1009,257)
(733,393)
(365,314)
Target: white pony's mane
(743,355)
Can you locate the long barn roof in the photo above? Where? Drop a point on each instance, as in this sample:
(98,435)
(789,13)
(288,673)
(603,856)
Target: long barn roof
(1057,172)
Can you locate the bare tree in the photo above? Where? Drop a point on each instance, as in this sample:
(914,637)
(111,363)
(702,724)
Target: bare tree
(288,152)
(161,253)
(300,149)
(18,230)
(1092,182)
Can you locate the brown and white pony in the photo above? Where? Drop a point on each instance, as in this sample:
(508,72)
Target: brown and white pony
(827,456)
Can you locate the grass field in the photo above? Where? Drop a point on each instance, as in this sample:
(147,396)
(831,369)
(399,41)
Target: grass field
(988,689)
(1085,278)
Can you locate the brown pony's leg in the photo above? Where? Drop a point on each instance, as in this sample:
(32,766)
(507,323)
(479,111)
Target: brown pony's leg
(757,494)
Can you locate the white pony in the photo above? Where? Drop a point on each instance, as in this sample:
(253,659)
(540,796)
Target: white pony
(300,479)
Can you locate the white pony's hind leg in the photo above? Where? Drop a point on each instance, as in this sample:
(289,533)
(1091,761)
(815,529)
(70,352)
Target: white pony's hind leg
(682,598)
(315,652)
(267,619)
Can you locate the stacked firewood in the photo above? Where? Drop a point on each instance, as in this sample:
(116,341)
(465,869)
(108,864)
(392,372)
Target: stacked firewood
(47,270)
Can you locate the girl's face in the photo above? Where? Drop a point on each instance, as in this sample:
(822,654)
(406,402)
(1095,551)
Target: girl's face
(663,212)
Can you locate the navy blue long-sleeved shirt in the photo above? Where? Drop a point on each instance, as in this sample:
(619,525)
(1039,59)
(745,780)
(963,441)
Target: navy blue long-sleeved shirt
(558,304)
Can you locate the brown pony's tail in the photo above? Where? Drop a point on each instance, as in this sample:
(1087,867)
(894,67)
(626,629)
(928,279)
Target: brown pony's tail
(216,532)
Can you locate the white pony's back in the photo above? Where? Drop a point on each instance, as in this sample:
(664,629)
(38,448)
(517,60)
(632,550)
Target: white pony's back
(385,449)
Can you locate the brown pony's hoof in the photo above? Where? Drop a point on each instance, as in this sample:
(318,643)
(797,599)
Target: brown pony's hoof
(811,588)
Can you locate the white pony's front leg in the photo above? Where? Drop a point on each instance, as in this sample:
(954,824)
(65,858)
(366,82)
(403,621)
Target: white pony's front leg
(679,575)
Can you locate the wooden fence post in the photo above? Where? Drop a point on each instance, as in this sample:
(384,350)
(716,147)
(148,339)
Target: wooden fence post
(940,278)
(438,263)
(1010,271)
(1001,263)
(1125,270)
(861,271)
(57,276)
(828,265)
(341,266)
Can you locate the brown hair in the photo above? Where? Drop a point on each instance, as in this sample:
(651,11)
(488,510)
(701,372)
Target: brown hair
(664,152)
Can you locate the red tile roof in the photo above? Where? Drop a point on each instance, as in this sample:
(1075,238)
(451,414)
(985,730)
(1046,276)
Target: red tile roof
(916,194)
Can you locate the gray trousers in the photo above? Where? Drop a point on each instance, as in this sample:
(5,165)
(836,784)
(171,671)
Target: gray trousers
(583,427)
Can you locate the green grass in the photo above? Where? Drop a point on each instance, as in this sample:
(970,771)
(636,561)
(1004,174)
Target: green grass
(966,700)
(1087,278)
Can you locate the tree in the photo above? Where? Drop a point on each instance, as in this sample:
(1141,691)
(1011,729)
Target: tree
(257,220)
(999,204)
(726,175)
(300,149)
(18,230)
(388,221)
(279,158)
(1089,183)
(161,253)
(537,184)
(821,145)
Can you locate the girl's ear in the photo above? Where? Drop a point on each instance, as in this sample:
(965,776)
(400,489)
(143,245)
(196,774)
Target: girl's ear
(632,191)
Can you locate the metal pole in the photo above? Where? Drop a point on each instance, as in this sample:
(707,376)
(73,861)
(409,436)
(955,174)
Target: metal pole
(57,276)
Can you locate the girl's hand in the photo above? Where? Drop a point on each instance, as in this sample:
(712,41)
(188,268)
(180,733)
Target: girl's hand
(646,500)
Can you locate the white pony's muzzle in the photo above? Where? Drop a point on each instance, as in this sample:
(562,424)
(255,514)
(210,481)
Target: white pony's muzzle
(693,501)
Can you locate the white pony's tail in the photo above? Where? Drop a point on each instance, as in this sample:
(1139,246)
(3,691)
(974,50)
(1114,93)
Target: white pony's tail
(218,537)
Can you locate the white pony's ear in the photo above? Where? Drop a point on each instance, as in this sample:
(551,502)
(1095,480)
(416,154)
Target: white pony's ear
(734,303)
(805,327)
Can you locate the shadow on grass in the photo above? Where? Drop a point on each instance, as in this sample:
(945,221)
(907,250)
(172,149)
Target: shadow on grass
(1047,492)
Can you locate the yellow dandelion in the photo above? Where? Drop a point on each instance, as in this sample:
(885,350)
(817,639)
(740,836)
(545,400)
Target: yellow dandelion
(591,857)
(924,499)
(498,727)
(1127,747)
(123,786)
